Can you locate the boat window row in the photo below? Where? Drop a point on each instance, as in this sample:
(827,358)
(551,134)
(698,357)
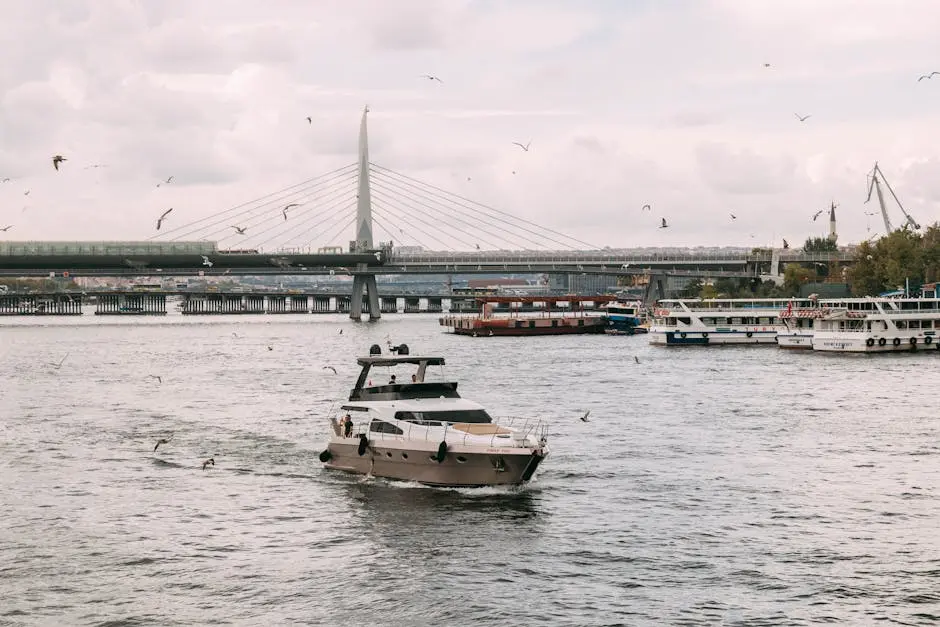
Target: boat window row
(880,325)
(379,426)
(436,418)
(718,321)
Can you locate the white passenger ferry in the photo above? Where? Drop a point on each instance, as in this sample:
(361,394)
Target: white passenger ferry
(799,323)
(878,325)
(683,322)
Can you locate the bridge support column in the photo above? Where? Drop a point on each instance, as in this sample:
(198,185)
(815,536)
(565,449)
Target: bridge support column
(367,282)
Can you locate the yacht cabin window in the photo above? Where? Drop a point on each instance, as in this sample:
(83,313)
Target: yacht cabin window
(441,416)
(378,426)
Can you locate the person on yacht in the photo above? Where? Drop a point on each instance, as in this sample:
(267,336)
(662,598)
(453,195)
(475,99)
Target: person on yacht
(392,380)
(347,425)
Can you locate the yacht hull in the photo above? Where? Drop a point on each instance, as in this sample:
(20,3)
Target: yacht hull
(497,466)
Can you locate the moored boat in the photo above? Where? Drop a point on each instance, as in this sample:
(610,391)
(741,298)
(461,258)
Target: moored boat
(707,322)
(531,315)
(424,431)
(625,318)
(879,325)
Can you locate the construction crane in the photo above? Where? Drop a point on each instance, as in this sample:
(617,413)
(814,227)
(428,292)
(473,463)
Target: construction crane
(877,177)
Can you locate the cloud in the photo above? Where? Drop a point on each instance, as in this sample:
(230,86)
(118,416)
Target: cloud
(665,103)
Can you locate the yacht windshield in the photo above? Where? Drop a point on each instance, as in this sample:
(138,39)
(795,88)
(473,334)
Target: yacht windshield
(455,415)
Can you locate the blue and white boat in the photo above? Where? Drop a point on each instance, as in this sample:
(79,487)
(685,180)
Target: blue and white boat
(624,318)
(698,322)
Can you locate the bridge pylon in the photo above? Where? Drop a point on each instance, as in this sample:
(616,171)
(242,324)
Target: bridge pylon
(363,279)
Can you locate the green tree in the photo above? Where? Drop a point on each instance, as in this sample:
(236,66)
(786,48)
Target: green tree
(820,245)
(794,276)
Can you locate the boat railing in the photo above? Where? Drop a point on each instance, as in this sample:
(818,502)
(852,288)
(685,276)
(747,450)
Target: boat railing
(521,430)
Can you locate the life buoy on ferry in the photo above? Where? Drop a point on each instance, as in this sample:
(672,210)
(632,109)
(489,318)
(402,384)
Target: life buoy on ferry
(705,334)
(326,456)
(870,342)
(928,340)
(882,342)
(441,452)
(913,341)
(682,334)
(897,341)
(363,444)
(749,334)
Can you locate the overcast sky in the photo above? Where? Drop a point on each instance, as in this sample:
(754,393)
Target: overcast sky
(625,102)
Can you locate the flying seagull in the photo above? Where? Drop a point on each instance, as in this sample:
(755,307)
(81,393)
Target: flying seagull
(210,461)
(96,165)
(162,441)
(167,181)
(663,225)
(646,208)
(927,76)
(786,244)
(309,120)
(162,216)
(801,118)
(286,207)
(817,214)
(431,78)
(59,365)
(205,261)
(526,147)
(733,217)
(7,228)
(240,229)
(331,367)
(56,160)
(584,418)
(26,193)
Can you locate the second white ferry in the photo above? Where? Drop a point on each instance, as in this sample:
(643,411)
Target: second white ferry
(702,322)
(876,325)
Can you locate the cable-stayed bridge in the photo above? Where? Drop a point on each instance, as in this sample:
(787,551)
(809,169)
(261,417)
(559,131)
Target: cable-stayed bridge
(305,229)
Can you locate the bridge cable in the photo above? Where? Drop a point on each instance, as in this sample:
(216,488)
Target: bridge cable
(383,210)
(381,185)
(340,207)
(407,239)
(477,206)
(409,220)
(476,215)
(289,228)
(278,204)
(287,190)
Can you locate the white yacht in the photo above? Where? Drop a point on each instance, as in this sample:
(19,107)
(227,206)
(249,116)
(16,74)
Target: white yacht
(877,325)
(702,322)
(418,430)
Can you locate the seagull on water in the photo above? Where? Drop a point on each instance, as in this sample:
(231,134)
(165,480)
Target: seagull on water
(205,261)
(240,229)
(157,377)
(927,76)
(59,365)
(331,367)
(524,148)
(210,461)
(162,441)
(584,418)
(162,216)
(636,359)
(56,160)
